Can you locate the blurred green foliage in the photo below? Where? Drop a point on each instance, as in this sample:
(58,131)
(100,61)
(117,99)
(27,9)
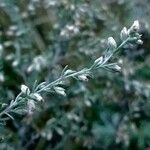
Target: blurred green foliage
(41,37)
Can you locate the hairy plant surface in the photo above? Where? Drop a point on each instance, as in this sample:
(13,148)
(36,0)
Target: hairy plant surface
(74,74)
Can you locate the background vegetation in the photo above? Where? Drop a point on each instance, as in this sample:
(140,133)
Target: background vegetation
(38,38)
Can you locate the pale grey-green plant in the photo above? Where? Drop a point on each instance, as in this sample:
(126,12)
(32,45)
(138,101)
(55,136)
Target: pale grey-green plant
(26,99)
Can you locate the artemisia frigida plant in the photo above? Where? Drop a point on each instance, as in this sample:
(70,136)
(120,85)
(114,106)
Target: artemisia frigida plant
(26,100)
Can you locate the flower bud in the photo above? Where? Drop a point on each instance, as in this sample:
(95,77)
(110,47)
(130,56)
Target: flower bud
(112,43)
(117,68)
(59,131)
(135,26)
(88,103)
(83,78)
(25,89)
(139,42)
(38,97)
(99,60)
(124,34)
(60,91)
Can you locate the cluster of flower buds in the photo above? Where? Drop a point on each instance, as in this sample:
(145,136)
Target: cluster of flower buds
(132,33)
(126,35)
(81,77)
(32,97)
(35,96)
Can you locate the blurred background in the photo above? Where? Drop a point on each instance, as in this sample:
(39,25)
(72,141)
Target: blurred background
(38,38)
